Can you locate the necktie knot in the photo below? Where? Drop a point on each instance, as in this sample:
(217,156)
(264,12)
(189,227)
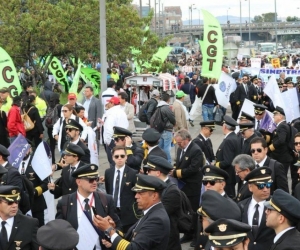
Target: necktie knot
(86,200)
(3,223)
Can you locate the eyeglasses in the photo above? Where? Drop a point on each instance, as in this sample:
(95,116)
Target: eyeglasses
(259,150)
(261,186)
(284,86)
(212,182)
(91,180)
(9,203)
(65,110)
(237,172)
(296,143)
(118,156)
(119,138)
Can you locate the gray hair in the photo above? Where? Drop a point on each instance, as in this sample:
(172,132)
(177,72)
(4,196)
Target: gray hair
(231,128)
(244,161)
(184,134)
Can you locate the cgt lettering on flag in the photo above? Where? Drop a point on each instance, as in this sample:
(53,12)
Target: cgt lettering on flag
(212,49)
(59,74)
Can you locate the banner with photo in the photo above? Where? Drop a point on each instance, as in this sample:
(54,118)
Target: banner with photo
(224,88)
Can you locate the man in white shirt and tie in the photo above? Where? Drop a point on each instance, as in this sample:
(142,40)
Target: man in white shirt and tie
(259,183)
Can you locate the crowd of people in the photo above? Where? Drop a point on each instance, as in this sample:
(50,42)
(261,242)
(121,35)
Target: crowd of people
(238,193)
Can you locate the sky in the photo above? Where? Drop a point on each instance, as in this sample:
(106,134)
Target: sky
(219,7)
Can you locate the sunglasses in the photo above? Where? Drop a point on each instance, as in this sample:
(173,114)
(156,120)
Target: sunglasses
(259,150)
(9,203)
(91,180)
(64,110)
(296,143)
(261,186)
(70,129)
(119,138)
(119,156)
(212,183)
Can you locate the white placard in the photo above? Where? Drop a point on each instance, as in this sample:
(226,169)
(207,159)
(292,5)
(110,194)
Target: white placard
(40,162)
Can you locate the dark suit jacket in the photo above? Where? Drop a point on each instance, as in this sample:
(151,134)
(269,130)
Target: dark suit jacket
(94,111)
(227,151)
(23,231)
(151,232)
(38,184)
(63,184)
(240,94)
(246,147)
(135,156)
(290,240)
(279,142)
(265,235)
(206,147)
(188,169)
(243,193)
(71,212)
(171,200)
(278,176)
(157,151)
(127,197)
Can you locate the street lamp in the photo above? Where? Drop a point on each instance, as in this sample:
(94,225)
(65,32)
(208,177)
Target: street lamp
(191,20)
(249,24)
(241,20)
(227,15)
(276,28)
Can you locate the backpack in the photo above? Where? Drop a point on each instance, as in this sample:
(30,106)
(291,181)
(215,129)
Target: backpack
(143,113)
(28,123)
(51,116)
(157,121)
(290,142)
(185,219)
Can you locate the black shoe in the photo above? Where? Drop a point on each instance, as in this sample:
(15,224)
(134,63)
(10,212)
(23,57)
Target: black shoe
(186,238)
(193,243)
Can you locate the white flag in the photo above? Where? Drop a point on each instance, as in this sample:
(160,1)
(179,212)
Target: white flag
(272,90)
(290,98)
(224,88)
(40,161)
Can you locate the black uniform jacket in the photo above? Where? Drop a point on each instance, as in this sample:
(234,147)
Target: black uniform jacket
(127,196)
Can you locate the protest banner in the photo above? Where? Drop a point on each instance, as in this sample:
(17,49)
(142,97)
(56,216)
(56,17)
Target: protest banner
(264,73)
(275,63)
(58,72)
(291,102)
(94,77)
(224,88)
(18,150)
(255,63)
(9,77)
(211,46)
(74,86)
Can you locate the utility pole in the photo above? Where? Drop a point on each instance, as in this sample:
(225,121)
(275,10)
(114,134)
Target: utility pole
(155,16)
(276,27)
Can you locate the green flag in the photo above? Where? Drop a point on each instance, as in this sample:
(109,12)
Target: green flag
(75,82)
(9,76)
(94,77)
(57,70)
(211,46)
(162,54)
(145,38)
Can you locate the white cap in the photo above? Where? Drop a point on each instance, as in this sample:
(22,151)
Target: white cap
(175,70)
(155,93)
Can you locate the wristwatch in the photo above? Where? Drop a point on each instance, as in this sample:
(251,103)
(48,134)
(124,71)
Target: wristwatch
(107,231)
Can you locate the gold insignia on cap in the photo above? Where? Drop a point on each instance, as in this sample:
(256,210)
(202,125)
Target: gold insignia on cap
(222,227)
(18,243)
(263,171)
(208,169)
(231,242)
(217,243)
(92,167)
(14,191)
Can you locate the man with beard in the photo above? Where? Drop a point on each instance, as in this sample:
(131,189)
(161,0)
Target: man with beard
(73,131)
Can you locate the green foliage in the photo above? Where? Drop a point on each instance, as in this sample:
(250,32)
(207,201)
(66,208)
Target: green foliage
(264,18)
(41,28)
(292,19)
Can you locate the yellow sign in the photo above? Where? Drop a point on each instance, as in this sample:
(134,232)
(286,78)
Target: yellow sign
(275,62)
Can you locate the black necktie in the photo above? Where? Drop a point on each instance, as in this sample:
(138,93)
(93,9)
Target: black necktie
(256,166)
(23,168)
(117,185)
(4,240)
(258,125)
(71,171)
(255,221)
(87,207)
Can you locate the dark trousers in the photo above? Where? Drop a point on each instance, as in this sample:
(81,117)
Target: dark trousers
(235,111)
(34,136)
(194,200)
(108,150)
(294,174)
(40,216)
(125,228)
(52,142)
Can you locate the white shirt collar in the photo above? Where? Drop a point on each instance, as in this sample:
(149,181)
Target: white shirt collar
(185,149)
(76,165)
(228,134)
(76,141)
(81,198)
(279,123)
(203,136)
(281,233)
(151,148)
(4,164)
(261,164)
(147,210)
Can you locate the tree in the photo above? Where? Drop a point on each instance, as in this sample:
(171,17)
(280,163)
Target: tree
(70,28)
(264,18)
(292,19)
